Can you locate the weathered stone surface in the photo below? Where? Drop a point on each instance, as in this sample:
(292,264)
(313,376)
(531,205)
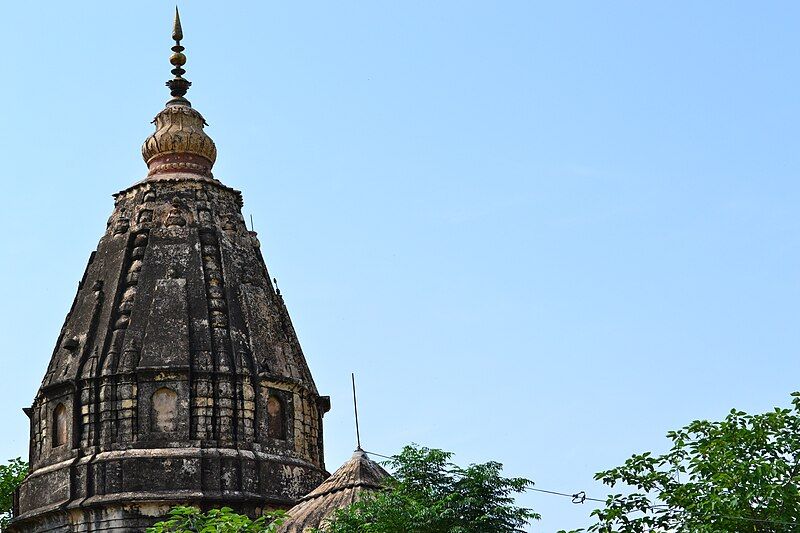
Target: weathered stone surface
(344,487)
(177,376)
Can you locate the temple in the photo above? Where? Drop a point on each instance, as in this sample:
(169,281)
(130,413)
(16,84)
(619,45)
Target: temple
(177,377)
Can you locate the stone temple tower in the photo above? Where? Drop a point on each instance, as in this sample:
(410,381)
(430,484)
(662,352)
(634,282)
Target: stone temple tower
(177,376)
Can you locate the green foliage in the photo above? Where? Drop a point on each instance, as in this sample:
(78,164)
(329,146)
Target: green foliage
(11,476)
(191,520)
(737,475)
(429,494)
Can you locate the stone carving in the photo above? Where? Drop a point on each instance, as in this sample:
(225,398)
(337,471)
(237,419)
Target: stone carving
(214,281)
(131,280)
(229,223)
(254,239)
(121,225)
(175,216)
(70,344)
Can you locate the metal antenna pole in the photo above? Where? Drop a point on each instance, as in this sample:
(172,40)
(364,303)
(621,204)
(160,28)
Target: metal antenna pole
(251,222)
(355,409)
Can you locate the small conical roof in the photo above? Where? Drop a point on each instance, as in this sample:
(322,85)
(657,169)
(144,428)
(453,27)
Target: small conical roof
(344,487)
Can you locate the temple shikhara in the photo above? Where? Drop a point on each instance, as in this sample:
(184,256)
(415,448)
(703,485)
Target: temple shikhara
(177,377)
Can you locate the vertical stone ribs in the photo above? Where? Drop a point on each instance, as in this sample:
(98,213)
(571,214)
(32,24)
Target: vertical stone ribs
(223,380)
(117,387)
(179,307)
(125,365)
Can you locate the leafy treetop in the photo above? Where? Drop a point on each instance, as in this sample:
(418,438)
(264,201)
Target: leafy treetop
(740,474)
(11,476)
(183,519)
(430,494)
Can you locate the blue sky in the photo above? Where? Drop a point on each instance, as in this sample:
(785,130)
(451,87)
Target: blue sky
(540,233)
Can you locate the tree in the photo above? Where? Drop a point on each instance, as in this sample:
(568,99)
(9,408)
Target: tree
(429,494)
(11,476)
(184,519)
(737,475)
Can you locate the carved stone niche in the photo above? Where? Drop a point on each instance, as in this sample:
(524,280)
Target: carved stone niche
(276,418)
(163,407)
(56,421)
(280,415)
(60,426)
(164,410)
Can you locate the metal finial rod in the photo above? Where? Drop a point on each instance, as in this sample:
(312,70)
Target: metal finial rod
(355,409)
(178,85)
(177,30)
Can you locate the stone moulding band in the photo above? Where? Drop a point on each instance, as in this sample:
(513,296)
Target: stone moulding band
(176,453)
(132,498)
(178,177)
(168,167)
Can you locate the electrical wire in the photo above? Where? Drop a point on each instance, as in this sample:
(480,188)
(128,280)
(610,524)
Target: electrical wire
(581,497)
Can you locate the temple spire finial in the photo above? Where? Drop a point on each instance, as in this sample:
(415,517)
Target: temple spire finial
(177,31)
(178,85)
(355,408)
